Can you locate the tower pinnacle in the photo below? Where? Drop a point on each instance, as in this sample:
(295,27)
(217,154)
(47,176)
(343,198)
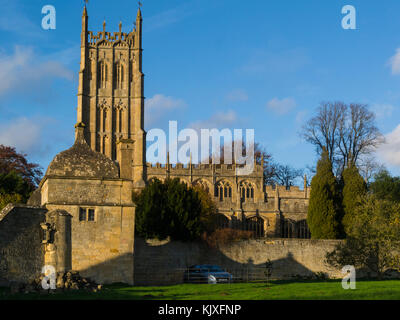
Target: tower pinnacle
(139,12)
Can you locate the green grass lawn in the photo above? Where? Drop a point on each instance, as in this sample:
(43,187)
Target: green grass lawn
(281,290)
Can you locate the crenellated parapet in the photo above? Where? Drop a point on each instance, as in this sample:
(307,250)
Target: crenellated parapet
(111,38)
(226,169)
(288,192)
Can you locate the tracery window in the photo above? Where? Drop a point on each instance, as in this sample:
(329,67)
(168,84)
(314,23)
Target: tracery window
(223,190)
(119,75)
(102,74)
(246,191)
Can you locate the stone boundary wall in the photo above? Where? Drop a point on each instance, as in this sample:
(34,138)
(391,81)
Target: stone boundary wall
(163,262)
(21,249)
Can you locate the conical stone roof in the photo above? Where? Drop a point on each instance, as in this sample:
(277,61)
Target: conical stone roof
(81,161)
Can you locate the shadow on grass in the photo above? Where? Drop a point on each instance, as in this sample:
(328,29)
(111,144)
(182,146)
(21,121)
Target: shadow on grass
(277,290)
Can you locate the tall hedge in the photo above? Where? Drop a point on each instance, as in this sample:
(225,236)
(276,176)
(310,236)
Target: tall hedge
(324,210)
(354,188)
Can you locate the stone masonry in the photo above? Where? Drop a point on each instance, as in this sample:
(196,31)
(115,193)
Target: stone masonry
(82,217)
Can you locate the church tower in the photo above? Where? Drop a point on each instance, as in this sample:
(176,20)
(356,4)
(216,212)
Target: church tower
(110,93)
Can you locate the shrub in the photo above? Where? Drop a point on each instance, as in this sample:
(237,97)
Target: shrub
(385,186)
(13,188)
(373,238)
(168,209)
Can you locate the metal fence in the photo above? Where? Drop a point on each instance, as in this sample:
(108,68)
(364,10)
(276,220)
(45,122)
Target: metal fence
(150,276)
(288,228)
(255,225)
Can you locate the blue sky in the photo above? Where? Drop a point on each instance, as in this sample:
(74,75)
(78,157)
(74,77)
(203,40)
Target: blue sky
(261,64)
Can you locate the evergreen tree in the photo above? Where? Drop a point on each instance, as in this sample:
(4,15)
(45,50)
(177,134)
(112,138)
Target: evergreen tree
(385,186)
(373,237)
(354,188)
(168,209)
(324,211)
(13,188)
(151,214)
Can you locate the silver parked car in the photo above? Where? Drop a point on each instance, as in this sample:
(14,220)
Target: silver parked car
(206,273)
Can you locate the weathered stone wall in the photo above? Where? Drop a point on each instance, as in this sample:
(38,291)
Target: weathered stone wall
(76,190)
(102,249)
(21,249)
(159,262)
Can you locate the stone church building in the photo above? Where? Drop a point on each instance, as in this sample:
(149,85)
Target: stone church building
(82,217)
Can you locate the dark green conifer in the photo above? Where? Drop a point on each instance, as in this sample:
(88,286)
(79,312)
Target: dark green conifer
(324,208)
(354,188)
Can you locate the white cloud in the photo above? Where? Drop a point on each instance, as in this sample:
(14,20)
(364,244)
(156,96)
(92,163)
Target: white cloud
(165,18)
(161,102)
(390,151)
(382,110)
(282,106)
(13,18)
(158,105)
(23,70)
(218,120)
(307,90)
(237,95)
(23,134)
(174,15)
(394,62)
(300,116)
(266,61)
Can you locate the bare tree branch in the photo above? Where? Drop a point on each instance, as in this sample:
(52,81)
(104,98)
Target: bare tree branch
(286,175)
(348,132)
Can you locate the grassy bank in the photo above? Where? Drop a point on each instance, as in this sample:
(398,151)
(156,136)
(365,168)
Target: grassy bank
(277,290)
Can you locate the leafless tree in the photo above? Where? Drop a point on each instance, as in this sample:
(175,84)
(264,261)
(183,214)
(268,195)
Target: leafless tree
(323,129)
(368,167)
(348,132)
(286,175)
(259,152)
(359,135)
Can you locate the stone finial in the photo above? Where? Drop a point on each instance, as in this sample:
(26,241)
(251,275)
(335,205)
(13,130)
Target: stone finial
(84,14)
(79,130)
(120,26)
(277,199)
(104,25)
(139,20)
(305,186)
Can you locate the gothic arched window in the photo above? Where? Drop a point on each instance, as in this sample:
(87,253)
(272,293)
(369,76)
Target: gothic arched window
(202,184)
(102,74)
(119,75)
(223,190)
(246,191)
